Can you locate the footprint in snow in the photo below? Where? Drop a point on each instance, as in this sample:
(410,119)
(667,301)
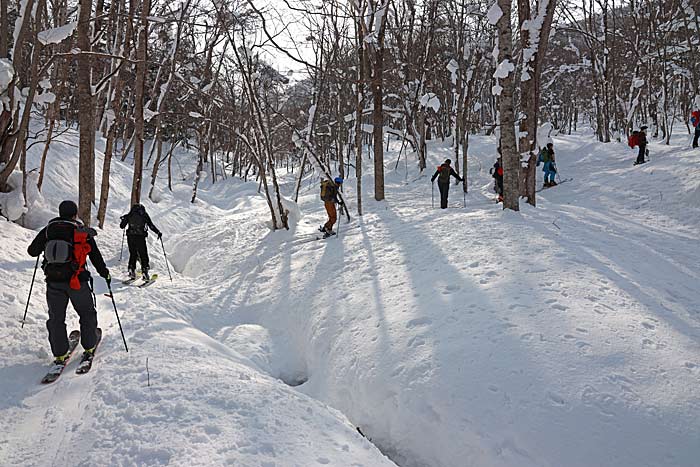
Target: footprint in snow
(556,399)
(419,322)
(650,344)
(450,289)
(648,325)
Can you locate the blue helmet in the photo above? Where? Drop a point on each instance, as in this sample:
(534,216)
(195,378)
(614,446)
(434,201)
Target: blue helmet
(338,180)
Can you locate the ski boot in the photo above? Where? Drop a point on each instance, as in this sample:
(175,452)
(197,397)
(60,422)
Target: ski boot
(145,275)
(132,274)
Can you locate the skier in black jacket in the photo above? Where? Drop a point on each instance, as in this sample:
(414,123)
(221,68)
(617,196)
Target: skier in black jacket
(66,244)
(138,221)
(443,173)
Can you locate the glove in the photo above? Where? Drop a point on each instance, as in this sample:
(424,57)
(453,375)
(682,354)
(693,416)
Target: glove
(160,235)
(108,279)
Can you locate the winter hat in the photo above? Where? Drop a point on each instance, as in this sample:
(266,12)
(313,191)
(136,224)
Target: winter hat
(67,209)
(339,180)
(642,128)
(448,161)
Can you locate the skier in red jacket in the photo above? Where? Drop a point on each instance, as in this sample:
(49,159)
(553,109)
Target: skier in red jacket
(695,121)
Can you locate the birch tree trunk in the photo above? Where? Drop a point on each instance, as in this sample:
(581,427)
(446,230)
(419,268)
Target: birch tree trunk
(378,116)
(511,158)
(141,68)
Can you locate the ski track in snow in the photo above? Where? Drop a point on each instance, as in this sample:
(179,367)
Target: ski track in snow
(563,335)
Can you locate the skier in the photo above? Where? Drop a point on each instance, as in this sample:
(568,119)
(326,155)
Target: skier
(138,221)
(66,244)
(443,173)
(695,120)
(546,156)
(329,196)
(642,143)
(497,173)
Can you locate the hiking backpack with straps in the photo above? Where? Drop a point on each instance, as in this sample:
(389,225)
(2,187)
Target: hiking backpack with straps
(327,190)
(444,173)
(137,223)
(64,260)
(633,140)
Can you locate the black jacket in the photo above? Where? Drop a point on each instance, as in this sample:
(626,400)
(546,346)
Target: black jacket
(642,139)
(134,231)
(62,229)
(445,179)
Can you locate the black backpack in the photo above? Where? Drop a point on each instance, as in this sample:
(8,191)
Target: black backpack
(59,256)
(137,223)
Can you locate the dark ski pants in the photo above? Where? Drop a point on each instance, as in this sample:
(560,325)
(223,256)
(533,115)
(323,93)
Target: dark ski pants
(444,191)
(57,296)
(138,250)
(697,136)
(642,153)
(332,215)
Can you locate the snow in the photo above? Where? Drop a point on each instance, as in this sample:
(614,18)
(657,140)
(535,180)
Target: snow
(430,100)
(6,74)
(46,97)
(496,89)
(494,14)
(57,35)
(504,68)
(562,335)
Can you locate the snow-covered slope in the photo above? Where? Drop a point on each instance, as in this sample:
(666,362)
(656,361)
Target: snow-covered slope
(565,335)
(178,397)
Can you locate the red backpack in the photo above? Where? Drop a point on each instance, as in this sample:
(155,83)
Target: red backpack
(695,118)
(633,140)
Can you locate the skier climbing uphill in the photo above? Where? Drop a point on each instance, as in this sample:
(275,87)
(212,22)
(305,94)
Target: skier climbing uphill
(639,138)
(329,196)
(443,174)
(66,245)
(550,169)
(497,174)
(695,121)
(138,222)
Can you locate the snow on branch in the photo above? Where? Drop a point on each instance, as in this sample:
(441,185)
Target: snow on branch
(504,68)
(534,29)
(430,100)
(57,35)
(494,14)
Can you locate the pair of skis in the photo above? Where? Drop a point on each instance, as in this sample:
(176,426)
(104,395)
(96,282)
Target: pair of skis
(85,365)
(558,183)
(140,286)
(145,283)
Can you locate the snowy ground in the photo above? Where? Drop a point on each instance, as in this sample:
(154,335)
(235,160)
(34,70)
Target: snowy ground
(566,335)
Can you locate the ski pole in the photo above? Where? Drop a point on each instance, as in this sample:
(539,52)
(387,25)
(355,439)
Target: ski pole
(432,194)
(121,252)
(111,295)
(340,218)
(166,258)
(464,192)
(36,266)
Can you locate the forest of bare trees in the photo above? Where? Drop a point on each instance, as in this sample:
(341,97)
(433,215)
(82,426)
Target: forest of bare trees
(251,94)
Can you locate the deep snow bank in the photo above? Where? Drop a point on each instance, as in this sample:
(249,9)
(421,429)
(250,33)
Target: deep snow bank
(563,335)
(178,397)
